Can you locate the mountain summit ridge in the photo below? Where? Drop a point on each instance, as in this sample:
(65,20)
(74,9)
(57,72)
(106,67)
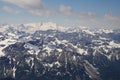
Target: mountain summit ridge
(50,54)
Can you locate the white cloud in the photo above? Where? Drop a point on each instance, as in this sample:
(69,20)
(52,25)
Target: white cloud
(111,20)
(67,10)
(36,7)
(85,15)
(10,10)
(110,16)
(107,21)
(27,4)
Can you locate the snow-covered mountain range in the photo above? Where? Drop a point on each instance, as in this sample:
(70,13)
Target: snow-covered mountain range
(46,51)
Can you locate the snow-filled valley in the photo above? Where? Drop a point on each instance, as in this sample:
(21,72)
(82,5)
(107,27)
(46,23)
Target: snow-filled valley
(46,51)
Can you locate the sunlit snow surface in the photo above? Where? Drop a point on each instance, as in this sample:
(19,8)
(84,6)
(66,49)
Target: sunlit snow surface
(46,47)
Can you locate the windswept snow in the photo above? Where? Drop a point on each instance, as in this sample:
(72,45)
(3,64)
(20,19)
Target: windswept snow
(6,43)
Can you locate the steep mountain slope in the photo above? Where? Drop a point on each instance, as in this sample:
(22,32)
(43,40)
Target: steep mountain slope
(53,53)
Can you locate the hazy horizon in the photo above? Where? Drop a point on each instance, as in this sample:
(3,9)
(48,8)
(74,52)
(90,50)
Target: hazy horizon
(91,14)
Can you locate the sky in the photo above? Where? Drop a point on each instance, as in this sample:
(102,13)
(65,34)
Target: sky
(70,13)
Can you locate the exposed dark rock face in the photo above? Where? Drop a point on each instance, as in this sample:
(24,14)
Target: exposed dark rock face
(56,55)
